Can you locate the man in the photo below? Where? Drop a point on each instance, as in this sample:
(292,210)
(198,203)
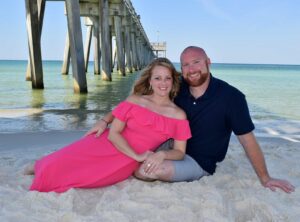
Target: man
(215,110)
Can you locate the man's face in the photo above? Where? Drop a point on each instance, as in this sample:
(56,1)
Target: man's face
(194,67)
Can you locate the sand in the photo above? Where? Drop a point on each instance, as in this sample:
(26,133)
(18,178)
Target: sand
(233,193)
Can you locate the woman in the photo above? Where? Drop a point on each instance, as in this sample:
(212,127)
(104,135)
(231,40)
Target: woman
(142,122)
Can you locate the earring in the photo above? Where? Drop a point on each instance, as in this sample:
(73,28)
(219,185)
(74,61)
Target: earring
(150,87)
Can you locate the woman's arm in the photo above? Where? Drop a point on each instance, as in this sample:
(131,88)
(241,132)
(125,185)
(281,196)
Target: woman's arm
(120,142)
(153,162)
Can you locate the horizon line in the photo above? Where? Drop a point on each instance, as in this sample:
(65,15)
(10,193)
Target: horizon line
(228,63)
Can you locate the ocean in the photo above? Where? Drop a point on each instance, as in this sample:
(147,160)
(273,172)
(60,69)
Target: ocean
(272,92)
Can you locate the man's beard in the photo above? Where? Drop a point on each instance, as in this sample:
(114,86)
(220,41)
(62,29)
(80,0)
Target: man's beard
(198,82)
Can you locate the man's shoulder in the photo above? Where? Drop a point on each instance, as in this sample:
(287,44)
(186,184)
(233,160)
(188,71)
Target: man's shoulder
(227,88)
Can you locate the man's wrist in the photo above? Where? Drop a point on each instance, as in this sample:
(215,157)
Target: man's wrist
(264,179)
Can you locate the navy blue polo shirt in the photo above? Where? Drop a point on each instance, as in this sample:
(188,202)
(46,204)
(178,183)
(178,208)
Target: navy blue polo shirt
(221,110)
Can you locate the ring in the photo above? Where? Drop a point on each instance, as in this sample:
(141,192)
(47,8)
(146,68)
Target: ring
(148,165)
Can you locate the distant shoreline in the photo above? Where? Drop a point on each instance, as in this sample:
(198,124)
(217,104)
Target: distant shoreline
(214,63)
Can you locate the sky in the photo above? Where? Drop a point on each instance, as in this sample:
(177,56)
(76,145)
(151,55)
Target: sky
(231,31)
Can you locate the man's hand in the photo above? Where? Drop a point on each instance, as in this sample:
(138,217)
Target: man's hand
(284,185)
(97,129)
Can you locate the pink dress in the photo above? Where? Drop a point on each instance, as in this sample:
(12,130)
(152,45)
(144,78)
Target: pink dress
(94,162)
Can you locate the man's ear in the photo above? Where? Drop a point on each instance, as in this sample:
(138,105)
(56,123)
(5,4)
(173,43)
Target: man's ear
(208,61)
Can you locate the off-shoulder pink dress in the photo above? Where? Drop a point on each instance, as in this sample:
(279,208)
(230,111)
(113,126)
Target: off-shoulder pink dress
(94,162)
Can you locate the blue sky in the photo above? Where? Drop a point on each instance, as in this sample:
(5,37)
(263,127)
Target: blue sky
(231,31)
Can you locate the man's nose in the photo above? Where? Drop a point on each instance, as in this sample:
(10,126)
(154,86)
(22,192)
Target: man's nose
(191,69)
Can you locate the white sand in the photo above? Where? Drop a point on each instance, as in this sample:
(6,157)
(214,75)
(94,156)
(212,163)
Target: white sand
(232,194)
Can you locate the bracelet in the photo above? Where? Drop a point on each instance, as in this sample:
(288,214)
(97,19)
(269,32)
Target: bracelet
(105,121)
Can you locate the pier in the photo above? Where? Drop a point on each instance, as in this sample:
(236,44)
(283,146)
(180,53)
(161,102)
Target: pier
(118,36)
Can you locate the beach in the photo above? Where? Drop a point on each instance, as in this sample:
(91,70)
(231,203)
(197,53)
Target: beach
(251,45)
(233,193)
(34,123)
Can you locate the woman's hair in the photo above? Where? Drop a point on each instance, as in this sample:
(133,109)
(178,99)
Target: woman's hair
(142,85)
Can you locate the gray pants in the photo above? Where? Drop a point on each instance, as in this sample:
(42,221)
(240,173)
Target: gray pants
(185,170)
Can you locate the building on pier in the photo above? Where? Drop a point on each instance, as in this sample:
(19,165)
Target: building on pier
(159,49)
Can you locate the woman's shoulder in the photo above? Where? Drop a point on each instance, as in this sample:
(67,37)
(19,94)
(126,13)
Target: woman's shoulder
(179,113)
(136,99)
(171,110)
(142,100)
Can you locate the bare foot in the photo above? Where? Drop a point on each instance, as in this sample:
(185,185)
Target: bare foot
(29,169)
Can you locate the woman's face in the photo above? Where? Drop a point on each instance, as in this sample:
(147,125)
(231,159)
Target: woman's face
(161,81)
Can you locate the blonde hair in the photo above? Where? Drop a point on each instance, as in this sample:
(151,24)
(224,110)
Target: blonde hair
(142,85)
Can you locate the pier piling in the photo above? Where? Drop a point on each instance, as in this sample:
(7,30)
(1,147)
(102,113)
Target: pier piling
(105,19)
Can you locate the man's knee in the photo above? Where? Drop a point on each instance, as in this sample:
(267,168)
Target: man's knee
(166,171)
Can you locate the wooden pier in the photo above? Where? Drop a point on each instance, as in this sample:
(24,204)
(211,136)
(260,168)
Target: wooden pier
(105,20)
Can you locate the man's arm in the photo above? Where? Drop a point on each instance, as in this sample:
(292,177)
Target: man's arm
(101,125)
(256,157)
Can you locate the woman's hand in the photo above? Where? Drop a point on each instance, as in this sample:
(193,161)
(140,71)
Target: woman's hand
(152,163)
(98,128)
(142,157)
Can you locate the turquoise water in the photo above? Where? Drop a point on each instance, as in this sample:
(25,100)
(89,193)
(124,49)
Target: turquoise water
(272,91)
(56,107)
